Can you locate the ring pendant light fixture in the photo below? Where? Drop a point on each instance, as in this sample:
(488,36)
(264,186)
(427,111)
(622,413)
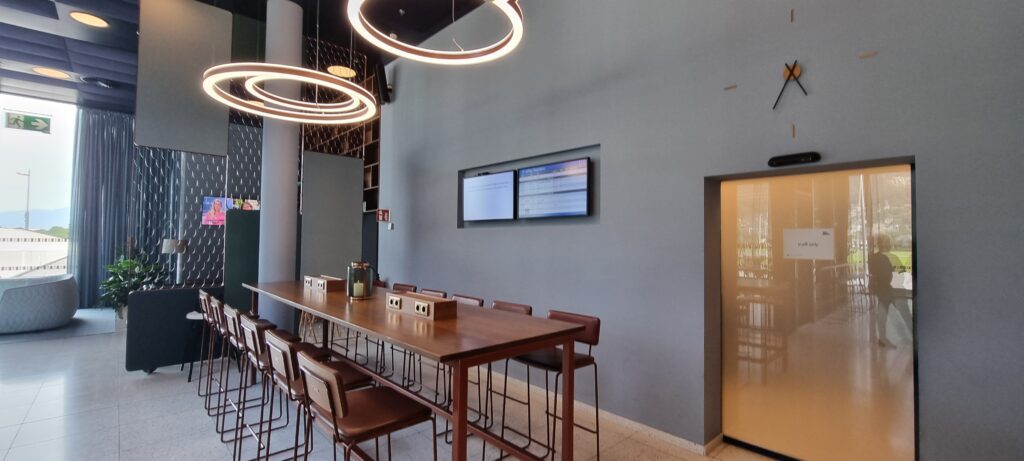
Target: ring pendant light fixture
(359,106)
(356,106)
(501,48)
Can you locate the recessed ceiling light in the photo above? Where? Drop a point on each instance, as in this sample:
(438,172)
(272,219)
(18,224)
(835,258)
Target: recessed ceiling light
(342,71)
(89,19)
(52,73)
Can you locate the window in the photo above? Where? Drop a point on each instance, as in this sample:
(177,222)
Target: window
(37,140)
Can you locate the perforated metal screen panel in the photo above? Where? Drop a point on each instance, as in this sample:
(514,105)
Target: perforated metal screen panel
(168,188)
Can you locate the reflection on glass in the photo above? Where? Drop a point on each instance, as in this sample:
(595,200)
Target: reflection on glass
(817,314)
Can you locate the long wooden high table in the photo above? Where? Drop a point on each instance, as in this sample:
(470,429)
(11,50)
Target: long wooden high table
(478,336)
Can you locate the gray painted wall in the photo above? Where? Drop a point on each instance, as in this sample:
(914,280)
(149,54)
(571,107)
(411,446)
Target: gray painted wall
(178,41)
(332,214)
(645,81)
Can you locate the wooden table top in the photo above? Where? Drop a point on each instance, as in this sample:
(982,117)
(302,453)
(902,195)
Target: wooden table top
(476,330)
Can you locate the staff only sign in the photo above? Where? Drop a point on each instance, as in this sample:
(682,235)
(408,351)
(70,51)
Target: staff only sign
(819,244)
(28,122)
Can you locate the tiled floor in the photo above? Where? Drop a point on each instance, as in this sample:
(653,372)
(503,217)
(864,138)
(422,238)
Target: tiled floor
(70,399)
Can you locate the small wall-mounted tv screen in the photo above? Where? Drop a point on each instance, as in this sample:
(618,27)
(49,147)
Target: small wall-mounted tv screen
(214,209)
(489,197)
(555,189)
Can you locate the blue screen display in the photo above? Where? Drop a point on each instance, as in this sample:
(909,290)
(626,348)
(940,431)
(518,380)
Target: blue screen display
(555,189)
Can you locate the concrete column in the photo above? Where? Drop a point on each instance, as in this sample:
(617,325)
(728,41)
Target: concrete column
(280,165)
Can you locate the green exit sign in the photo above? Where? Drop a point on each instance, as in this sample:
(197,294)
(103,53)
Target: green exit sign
(28,122)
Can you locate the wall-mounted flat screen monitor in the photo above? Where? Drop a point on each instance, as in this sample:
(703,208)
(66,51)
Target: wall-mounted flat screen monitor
(215,209)
(489,197)
(555,189)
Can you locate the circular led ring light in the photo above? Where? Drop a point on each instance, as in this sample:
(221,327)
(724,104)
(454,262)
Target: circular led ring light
(251,85)
(510,8)
(360,107)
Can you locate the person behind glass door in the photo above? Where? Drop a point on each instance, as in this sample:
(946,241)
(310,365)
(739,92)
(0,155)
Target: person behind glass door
(880,271)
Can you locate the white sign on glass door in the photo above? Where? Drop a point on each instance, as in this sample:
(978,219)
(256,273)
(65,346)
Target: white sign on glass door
(809,244)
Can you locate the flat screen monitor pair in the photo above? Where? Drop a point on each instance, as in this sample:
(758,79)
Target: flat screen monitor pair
(551,190)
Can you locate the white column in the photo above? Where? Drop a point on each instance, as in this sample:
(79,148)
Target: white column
(280,165)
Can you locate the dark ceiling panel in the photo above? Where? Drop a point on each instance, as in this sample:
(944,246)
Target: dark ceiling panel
(108,54)
(44,8)
(48,37)
(25,48)
(39,33)
(9,57)
(21,33)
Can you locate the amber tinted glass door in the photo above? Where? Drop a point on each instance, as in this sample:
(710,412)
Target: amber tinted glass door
(817,299)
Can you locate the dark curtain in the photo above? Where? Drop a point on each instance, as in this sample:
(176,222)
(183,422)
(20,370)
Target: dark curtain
(99,198)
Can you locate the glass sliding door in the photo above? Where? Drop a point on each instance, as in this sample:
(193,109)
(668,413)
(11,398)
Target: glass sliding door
(817,299)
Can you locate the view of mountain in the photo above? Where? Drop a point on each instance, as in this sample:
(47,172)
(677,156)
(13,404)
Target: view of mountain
(38,219)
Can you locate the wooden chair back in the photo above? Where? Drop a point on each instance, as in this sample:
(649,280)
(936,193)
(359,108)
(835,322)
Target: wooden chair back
(470,300)
(404,287)
(204,306)
(282,354)
(515,308)
(231,319)
(250,334)
(435,293)
(324,386)
(592,325)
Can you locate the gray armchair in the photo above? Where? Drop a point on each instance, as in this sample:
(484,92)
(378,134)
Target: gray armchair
(39,303)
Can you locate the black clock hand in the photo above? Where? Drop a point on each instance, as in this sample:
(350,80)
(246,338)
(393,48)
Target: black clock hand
(792,71)
(780,94)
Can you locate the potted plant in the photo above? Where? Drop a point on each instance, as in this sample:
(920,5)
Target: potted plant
(125,276)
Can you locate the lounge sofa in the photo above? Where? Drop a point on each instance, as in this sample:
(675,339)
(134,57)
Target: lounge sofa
(39,303)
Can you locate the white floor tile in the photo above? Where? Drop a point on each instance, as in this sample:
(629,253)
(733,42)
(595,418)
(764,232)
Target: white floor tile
(82,447)
(6,437)
(80,404)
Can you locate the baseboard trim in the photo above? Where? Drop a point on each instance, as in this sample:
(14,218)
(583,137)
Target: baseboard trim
(657,434)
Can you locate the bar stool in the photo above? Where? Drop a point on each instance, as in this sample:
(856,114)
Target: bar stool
(257,365)
(228,345)
(520,309)
(352,417)
(410,366)
(207,339)
(550,360)
(246,332)
(252,364)
(286,377)
(195,320)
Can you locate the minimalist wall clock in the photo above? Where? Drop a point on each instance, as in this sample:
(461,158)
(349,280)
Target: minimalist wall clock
(792,73)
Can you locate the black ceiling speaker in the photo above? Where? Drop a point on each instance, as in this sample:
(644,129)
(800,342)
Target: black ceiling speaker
(794,159)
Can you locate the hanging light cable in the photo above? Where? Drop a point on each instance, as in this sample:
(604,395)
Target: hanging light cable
(501,48)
